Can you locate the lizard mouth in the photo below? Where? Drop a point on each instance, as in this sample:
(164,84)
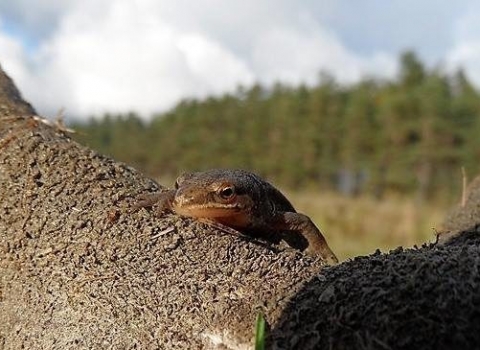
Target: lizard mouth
(211,211)
(228,215)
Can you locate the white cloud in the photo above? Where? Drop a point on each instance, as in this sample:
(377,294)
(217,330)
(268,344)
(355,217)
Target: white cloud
(121,58)
(465,52)
(12,58)
(145,55)
(298,54)
(466,55)
(285,54)
(214,67)
(289,55)
(114,62)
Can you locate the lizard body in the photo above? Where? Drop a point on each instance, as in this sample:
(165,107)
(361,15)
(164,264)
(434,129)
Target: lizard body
(243,201)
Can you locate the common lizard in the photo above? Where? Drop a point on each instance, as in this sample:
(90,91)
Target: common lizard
(243,201)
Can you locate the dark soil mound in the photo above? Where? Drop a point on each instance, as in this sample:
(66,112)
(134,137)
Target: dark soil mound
(426,298)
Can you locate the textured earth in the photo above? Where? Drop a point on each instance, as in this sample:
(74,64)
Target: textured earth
(427,298)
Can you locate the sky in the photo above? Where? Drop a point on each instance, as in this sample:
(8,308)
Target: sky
(89,57)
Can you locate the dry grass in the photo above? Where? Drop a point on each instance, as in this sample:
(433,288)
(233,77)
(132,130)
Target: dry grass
(359,226)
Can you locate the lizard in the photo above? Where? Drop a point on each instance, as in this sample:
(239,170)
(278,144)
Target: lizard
(243,201)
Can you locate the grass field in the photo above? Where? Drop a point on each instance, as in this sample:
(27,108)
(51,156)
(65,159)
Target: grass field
(359,226)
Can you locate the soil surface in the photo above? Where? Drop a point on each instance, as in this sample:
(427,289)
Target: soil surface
(80,270)
(463,218)
(427,298)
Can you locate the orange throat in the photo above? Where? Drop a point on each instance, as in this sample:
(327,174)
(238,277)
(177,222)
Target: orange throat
(227,216)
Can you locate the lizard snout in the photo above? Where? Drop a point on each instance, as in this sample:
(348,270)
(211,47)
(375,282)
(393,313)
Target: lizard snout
(185,196)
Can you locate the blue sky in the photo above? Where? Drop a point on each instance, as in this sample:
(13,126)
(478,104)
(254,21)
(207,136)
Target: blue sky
(93,56)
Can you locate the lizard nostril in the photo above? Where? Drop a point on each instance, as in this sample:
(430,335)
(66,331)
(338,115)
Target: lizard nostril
(178,181)
(189,196)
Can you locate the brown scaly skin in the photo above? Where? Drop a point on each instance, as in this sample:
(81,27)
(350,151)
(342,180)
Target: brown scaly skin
(243,201)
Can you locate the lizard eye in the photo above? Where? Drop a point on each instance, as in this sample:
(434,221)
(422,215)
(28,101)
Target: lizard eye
(227,192)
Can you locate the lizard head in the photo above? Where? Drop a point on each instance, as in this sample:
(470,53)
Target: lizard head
(224,196)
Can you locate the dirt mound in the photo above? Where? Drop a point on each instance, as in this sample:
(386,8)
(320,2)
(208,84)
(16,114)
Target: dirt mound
(79,269)
(463,218)
(426,298)
(11,101)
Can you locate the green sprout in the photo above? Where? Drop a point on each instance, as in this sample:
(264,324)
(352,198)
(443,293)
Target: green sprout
(260,332)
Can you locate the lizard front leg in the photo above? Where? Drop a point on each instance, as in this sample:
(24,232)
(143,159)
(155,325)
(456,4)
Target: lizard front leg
(317,245)
(162,201)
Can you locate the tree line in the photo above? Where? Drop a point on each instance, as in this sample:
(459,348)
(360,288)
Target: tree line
(412,134)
